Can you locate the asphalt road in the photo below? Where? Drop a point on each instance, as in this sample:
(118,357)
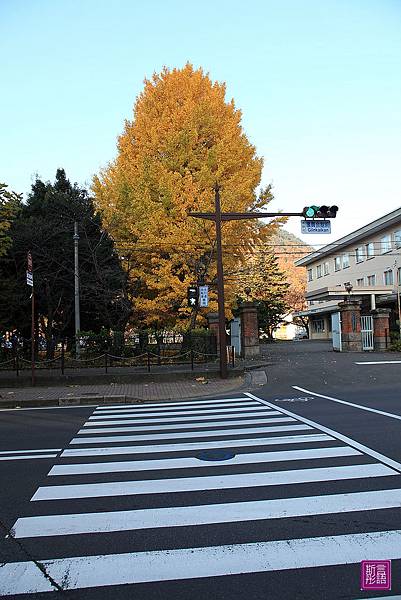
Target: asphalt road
(297,491)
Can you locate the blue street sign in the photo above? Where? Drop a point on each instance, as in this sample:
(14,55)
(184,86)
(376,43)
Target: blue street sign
(315,226)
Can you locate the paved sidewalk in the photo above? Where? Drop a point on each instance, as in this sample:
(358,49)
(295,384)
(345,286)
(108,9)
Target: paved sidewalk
(70,394)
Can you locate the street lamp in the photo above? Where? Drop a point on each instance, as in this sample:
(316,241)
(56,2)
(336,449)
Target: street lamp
(348,288)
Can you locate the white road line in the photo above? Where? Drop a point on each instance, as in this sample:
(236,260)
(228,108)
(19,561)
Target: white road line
(344,438)
(179,403)
(30,457)
(190,462)
(373,410)
(205,412)
(168,409)
(380,362)
(29,451)
(181,516)
(237,443)
(212,482)
(193,563)
(202,425)
(183,419)
(188,434)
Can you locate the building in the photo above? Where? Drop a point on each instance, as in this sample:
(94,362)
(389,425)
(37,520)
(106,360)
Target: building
(364,266)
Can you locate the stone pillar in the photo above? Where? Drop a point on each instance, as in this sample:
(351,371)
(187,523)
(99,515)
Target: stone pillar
(381,328)
(351,338)
(213,322)
(249,330)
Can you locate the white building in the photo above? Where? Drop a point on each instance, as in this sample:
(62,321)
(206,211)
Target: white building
(369,260)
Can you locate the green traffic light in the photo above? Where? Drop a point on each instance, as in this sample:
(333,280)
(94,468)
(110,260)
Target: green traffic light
(310,211)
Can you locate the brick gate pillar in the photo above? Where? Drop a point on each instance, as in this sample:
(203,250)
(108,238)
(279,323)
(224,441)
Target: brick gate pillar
(249,330)
(381,328)
(351,338)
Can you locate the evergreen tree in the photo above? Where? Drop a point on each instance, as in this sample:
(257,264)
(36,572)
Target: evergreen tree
(45,226)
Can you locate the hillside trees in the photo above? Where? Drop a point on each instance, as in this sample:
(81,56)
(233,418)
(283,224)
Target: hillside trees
(262,282)
(45,226)
(184,137)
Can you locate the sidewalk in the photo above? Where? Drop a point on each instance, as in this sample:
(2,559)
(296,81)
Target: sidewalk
(198,386)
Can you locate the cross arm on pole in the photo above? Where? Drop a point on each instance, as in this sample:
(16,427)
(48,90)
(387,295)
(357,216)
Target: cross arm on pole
(234,216)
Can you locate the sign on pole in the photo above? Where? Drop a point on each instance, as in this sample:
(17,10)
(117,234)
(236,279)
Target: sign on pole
(29,274)
(192,295)
(204,295)
(312,226)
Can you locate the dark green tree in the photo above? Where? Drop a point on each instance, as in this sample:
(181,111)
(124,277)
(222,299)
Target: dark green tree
(45,226)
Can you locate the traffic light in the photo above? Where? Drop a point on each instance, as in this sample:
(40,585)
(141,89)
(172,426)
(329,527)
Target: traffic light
(193,296)
(320,212)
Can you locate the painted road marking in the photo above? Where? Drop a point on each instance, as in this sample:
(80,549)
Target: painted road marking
(190,462)
(29,451)
(205,412)
(380,362)
(236,443)
(377,455)
(168,409)
(202,425)
(179,403)
(126,420)
(373,410)
(181,516)
(193,563)
(212,482)
(189,434)
(28,457)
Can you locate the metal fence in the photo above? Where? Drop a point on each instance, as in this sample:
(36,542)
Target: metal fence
(18,358)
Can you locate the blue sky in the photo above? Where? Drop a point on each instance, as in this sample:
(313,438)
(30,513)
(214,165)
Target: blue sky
(319,84)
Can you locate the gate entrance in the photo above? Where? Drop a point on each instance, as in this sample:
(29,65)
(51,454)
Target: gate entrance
(367,332)
(336,331)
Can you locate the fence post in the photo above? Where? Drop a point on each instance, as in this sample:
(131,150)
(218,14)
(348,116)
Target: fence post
(192,360)
(62,356)
(233,355)
(105,361)
(148,362)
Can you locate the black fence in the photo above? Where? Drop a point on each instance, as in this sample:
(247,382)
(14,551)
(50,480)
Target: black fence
(177,349)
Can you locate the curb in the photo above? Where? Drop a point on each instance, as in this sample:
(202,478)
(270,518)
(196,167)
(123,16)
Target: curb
(98,399)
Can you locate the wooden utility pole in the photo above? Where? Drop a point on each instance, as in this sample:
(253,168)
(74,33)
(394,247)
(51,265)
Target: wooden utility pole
(218,217)
(220,286)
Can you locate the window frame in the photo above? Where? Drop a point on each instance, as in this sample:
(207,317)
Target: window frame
(374,280)
(340,262)
(359,254)
(387,242)
(369,254)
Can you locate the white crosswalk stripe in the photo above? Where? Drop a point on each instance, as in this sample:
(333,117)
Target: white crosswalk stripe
(205,463)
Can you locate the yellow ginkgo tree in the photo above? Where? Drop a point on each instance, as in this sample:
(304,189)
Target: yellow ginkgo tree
(183,138)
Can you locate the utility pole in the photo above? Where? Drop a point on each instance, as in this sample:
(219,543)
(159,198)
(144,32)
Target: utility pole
(218,217)
(76,290)
(220,286)
(29,280)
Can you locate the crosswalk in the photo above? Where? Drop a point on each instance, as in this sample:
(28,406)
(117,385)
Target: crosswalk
(162,492)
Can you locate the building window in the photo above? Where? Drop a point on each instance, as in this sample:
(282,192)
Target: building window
(318,325)
(370,250)
(319,271)
(359,254)
(337,263)
(371,280)
(385,244)
(326,269)
(360,282)
(388,277)
(399,276)
(397,238)
(345,260)
(310,274)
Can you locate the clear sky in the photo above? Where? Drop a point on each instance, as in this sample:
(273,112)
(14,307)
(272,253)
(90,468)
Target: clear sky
(318,81)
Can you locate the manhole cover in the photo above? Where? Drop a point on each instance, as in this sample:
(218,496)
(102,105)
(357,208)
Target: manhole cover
(215,455)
